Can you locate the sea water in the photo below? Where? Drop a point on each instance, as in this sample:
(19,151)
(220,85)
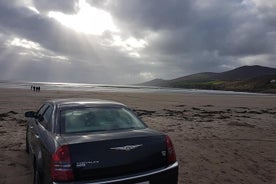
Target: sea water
(113,88)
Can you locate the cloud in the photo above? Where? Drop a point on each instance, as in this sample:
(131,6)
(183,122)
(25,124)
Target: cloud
(153,38)
(187,26)
(53,52)
(67,6)
(177,29)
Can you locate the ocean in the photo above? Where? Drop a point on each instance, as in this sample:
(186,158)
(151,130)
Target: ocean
(114,88)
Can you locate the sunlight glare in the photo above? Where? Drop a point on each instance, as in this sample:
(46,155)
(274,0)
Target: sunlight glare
(88,20)
(130,43)
(32,8)
(34,50)
(147,75)
(23,43)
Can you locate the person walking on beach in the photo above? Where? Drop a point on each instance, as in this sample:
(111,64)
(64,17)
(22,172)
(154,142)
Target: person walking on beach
(35,88)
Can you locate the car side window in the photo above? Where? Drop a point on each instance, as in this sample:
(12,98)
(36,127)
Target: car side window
(42,109)
(47,118)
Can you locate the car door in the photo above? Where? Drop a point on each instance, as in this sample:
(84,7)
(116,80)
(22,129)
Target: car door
(33,130)
(45,140)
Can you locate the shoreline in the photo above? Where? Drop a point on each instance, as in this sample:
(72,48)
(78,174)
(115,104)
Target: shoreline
(218,138)
(86,87)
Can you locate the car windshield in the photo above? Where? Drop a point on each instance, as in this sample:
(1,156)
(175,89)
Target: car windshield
(98,119)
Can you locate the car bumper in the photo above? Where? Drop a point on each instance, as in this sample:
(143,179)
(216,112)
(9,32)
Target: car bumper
(168,175)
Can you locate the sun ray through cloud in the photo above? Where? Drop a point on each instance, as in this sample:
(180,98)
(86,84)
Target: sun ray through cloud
(110,40)
(88,19)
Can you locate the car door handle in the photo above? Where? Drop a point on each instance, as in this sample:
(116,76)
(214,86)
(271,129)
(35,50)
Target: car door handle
(36,136)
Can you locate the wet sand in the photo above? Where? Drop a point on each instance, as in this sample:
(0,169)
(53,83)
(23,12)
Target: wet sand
(218,138)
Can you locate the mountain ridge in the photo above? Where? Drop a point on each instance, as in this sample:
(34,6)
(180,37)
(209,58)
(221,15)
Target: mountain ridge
(239,79)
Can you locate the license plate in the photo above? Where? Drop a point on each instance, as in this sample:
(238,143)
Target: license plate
(144,182)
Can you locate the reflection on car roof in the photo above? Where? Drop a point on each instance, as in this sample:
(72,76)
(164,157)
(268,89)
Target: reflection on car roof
(83,102)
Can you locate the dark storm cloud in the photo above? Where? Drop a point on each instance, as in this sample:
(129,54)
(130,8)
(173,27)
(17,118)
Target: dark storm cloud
(50,34)
(183,37)
(154,14)
(88,60)
(20,22)
(44,6)
(227,26)
(231,29)
(66,6)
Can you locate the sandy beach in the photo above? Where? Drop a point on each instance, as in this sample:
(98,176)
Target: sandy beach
(218,138)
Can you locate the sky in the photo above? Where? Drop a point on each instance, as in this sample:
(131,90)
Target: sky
(132,41)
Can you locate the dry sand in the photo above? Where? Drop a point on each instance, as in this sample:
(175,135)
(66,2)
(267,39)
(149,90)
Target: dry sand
(218,138)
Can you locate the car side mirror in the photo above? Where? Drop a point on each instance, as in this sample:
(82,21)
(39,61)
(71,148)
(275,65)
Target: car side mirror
(30,114)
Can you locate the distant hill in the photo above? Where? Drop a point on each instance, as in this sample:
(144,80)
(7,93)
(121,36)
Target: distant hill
(155,82)
(247,72)
(246,78)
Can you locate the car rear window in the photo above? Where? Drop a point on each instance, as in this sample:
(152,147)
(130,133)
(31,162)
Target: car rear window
(98,119)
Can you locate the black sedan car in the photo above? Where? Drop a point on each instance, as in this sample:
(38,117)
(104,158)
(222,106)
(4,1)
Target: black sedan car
(80,141)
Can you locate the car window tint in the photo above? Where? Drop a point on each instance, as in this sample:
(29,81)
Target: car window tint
(42,109)
(47,120)
(48,114)
(98,119)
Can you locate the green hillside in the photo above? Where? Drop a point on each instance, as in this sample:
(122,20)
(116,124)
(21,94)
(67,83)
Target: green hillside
(247,78)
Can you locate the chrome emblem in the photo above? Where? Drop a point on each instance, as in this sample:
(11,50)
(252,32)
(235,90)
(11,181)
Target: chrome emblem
(127,147)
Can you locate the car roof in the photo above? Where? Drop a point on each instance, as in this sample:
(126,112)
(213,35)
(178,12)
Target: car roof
(78,102)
